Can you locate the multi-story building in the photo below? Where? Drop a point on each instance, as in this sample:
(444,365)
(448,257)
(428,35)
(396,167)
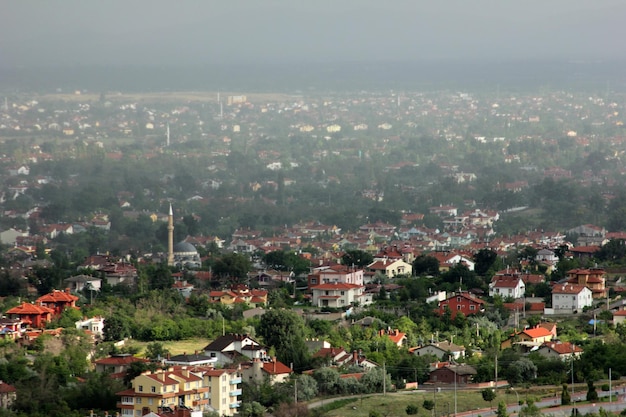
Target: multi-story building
(572,298)
(336,274)
(224,389)
(339,295)
(164,390)
(461,302)
(593,278)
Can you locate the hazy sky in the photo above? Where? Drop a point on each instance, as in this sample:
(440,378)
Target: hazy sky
(149,32)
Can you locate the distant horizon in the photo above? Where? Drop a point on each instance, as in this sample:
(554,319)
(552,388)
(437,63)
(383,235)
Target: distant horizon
(329,75)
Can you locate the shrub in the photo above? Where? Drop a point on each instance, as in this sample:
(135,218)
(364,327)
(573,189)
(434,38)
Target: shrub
(412,409)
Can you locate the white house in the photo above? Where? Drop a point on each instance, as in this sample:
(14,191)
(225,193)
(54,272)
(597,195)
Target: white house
(338,295)
(507,286)
(390,267)
(560,350)
(229,347)
(570,297)
(441,349)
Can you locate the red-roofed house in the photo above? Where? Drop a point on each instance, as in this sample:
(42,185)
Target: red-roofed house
(507,286)
(390,268)
(117,365)
(8,394)
(619,317)
(396,336)
(570,297)
(32,315)
(339,295)
(151,392)
(58,301)
(593,278)
(271,370)
(561,350)
(463,302)
(528,338)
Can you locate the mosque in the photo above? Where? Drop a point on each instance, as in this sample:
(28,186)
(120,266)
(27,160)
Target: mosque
(183,254)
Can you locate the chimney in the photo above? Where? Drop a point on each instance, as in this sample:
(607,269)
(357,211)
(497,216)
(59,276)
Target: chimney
(355,357)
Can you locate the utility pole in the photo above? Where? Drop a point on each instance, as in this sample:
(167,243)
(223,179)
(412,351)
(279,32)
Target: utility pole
(384,380)
(572,371)
(496,372)
(610,393)
(456,375)
(295,395)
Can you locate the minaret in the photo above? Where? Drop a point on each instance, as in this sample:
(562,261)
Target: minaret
(167,135)
(170,237)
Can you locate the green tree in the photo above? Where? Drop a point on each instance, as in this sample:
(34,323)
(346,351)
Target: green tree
(116,327)
(592,394)
(530,410)
(284,330)
(502,412)
(488,395)
(307,387)
(156,350)
(566,398)
(232,265)
(357,258)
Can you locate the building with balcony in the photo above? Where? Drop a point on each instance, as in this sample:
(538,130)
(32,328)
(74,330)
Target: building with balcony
(225,390)
(164,390)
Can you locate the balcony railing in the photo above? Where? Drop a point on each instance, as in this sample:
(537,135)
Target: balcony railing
(235,381)
(235,405)
(235,393)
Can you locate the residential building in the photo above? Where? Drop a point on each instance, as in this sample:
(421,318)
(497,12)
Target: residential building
(396,336)
(58,301)
(619,317)
(340,295)
(8,394)
(31,315)
(224,386)
(507,286)
(390,268)
(336,274)
(451,374)
(571,298)
(441,350)
(93,325)
(561,350)
(461,302)
(593,278)
(239,294)
(268,370)
(116,365)
(528,338)
(151,392)
(231,346)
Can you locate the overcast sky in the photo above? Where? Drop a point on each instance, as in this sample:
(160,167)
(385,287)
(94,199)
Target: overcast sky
(149,32)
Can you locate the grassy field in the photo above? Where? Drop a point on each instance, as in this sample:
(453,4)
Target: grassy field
(174,347)
(394,404)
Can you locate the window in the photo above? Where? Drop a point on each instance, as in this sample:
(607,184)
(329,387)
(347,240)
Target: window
(472,307)
(140,389)
(458,307)
(313,281)
(343,293)
(458,299)
(153,388)
(150,401)
(138,400)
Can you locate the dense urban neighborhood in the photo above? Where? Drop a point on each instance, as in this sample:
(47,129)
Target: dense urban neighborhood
(221,254)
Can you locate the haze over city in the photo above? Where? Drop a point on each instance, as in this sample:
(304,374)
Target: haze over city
(343,208)
(39,33)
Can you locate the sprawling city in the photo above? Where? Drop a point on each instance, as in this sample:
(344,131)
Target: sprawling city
(365,238)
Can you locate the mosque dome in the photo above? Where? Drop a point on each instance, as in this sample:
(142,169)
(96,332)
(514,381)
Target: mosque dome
(185,248)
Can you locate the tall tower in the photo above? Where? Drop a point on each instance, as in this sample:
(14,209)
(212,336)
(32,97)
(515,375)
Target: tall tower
(167,136)
(170,237)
